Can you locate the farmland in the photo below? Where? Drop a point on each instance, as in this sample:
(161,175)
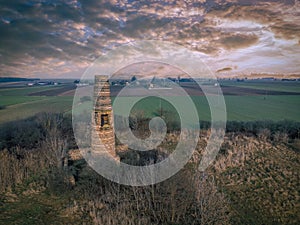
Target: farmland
(245,101)
(242,103)
(239,108)
(23,102)
(256,170)
(287,86)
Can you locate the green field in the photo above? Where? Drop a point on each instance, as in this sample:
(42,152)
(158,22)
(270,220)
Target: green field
(24,91)
(14,100)
(17,104)
(239,108)
(247,108)
(27,109)
(288,86)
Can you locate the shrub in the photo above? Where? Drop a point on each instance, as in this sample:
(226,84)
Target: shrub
(264,134)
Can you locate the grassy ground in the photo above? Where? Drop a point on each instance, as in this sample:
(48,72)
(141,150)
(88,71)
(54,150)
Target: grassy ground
(13,100)
(247,108)
(35,208)
(18,104)
(24,91)
(263,189)
(239,108)
(287,86)
(31,210)
(30,108)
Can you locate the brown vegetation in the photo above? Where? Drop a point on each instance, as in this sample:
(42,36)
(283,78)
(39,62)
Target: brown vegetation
(254,179)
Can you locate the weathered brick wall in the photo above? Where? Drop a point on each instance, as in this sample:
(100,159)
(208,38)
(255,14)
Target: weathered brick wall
(103,138)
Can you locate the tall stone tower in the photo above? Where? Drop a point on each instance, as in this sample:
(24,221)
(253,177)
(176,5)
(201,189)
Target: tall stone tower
(103,123)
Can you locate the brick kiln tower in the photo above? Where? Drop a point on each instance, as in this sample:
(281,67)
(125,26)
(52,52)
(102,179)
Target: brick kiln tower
(103,123)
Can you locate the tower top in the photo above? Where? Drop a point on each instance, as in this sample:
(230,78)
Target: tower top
(101,78)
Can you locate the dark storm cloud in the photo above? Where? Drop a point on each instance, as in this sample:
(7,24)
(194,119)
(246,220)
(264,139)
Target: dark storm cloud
(29,31)
(48,29)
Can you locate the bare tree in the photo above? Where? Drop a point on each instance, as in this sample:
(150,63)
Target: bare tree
(281,137)
(210,205)
(186,198)
(264,134)
(55,145)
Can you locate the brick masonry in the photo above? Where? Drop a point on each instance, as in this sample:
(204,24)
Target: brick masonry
(103,124)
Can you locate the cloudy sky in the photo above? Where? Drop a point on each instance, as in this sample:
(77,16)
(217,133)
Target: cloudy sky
(53,38)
